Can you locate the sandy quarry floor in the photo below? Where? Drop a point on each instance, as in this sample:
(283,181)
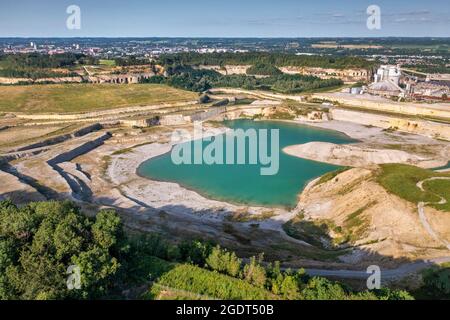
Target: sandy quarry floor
(109,179)
(376,146)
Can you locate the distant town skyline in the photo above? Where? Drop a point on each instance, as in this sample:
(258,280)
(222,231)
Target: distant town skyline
(232,18)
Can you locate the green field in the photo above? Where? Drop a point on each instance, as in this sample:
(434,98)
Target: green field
(73,98)
(401,180)
(111,63)
(441,187)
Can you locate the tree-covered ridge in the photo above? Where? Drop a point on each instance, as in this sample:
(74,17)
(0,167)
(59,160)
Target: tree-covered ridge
(36,65)
(274,59)
(185,77)
(38,60)
(263,70)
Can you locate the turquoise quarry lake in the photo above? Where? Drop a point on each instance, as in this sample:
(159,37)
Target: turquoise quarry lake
(243,184)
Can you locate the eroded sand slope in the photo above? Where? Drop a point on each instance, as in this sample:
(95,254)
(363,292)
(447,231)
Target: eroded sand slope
(378,222)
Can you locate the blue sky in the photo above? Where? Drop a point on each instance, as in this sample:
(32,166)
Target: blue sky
(226,18)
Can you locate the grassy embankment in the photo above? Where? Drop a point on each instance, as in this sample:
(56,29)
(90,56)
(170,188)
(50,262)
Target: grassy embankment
(398,179)
(72,98)
(104,62)
(401,180)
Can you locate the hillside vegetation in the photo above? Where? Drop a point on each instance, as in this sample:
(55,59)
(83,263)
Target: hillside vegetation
(36,65)
(402,179)
(274,59)
(263,69)
(185,77)
(40,242)
(86,97)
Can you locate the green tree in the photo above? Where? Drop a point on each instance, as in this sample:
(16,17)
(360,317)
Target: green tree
(224,261)
(254,273)
(195,252)
(38,243)
(289,288)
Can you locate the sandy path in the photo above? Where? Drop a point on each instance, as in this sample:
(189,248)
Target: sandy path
(423,218)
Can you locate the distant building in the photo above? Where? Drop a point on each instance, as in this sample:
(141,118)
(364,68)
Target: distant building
(386,82)
(388,73)
(431,89)
(356,90)
(385,88)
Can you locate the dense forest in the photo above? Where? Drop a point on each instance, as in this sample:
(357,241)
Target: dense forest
(130,61)
(273,59)
(40,241)
(36,65)
(430,67)
(185,77)
(263,70)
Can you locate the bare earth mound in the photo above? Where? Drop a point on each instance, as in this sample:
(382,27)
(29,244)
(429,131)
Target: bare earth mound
(347,155)
(361,213)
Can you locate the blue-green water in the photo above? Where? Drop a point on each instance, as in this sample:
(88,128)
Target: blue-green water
(447,166)
(243,183)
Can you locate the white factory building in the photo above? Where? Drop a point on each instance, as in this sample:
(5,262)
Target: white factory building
(387,72)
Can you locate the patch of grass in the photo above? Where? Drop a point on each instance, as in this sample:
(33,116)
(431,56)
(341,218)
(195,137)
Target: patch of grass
(160,292)
(122,151)
(72,98)
(104,165)
(442,188)
(245,216)
(104,62)
(353,219)
(280,115)
(302,109)
(331,175)
(402,179)
(244,101)
(356,224)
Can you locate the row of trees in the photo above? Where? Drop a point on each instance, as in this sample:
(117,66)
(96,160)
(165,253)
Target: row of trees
(38,60)
(263,70)
(130,61)
(266,58)
(185,77)
(36,65)
(286,284)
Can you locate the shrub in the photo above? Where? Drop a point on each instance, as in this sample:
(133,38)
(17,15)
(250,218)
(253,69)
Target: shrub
(254,273)
(213,284)
(224,261)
